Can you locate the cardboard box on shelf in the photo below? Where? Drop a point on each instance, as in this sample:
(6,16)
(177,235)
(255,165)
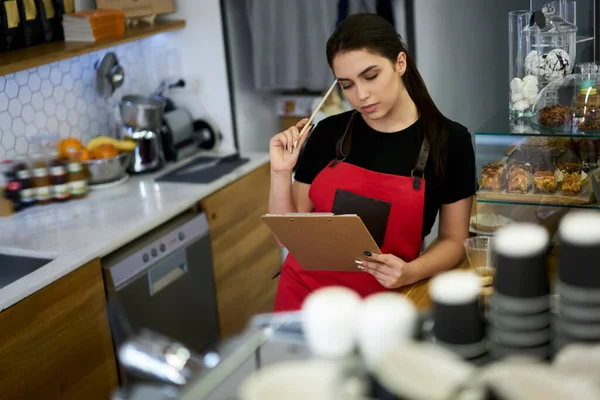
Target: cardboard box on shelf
(139,8)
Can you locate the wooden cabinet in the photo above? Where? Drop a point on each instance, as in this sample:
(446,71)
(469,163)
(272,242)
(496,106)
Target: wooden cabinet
(245,254)
(56,343)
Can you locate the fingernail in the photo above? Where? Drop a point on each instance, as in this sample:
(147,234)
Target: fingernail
(358,262)
(291,149)
(360,267)
(295,144)
(367,253)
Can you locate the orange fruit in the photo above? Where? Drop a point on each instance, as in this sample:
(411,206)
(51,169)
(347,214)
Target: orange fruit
(69,145)
(84,155)
(105,151)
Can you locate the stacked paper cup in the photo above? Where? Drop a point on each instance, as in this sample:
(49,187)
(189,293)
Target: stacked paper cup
(578,285)
(458,323)
(520,311)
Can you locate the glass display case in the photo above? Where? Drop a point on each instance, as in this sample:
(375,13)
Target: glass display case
(530,172)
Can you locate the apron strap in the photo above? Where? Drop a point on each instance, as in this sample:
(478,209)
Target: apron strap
(342,148)
(418,173)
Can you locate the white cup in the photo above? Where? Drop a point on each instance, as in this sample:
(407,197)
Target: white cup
(385,320)
(329,317)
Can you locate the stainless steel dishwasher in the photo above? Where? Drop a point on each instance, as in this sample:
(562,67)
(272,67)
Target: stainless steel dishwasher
(164,281)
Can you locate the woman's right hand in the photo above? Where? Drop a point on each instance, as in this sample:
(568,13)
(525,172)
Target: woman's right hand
(284,147)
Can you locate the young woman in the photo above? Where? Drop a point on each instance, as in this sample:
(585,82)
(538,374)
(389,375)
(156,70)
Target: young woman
(396,146)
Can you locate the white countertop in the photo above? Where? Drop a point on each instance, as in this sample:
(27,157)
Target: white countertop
(79,231)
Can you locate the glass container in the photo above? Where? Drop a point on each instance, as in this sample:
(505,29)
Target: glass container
(541,50)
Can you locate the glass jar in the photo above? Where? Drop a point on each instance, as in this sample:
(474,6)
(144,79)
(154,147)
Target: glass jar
(77,177)
(541,50)
(41,179)
(59,178)
(22,172)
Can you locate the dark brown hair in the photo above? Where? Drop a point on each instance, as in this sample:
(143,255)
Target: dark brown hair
(375,34)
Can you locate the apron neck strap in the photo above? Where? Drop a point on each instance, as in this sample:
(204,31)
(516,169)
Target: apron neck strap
(418,173)
(342,149)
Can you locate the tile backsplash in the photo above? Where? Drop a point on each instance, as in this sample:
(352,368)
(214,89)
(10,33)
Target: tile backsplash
(60,97)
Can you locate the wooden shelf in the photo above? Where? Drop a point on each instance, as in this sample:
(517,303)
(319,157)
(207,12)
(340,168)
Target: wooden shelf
(47,53)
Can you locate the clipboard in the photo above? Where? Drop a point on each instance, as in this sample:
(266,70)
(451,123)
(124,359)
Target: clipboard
(323,242)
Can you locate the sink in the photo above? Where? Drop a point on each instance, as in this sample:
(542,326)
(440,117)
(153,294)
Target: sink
(13,268)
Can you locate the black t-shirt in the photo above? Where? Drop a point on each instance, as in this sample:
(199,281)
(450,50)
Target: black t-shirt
(395,153)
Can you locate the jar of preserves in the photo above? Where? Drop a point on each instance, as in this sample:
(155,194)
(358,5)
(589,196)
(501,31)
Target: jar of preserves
(41,179)
(12,187)
(59,178)
(77,178)
(22,172)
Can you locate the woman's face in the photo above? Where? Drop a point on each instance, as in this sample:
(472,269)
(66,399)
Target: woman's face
(371,83)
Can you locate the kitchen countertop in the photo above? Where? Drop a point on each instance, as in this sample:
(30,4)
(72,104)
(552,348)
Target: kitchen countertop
(76,232)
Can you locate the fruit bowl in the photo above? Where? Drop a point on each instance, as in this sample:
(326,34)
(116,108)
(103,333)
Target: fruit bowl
(108,170)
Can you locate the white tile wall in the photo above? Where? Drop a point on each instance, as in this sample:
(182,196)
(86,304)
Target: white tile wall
(60,97)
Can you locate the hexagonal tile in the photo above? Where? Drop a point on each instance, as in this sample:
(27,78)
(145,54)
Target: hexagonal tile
(61,112)
(76,71)
(65,66)
(3,102)
(88,75)
(92,111)
(84,123)
(70,100)
(14,108)
(27,113)
(2,83)
(52,124)
(18,127)
(81,106)
(12,89)
(67,82)
(24,94)
(5,121)
(37,101)
(94,128)
(31,131)
(84,60)
(64,129)
(47,89)
(102,114)
(21,77)
(8,140)
(44,71)
(73,118)
(59,94)
(50,106)
(34,82)
(55,76)
(79,88)
(90,94)
(40,120)
(22,145)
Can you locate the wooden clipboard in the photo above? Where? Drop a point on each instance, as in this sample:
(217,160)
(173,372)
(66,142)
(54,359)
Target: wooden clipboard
(324,242)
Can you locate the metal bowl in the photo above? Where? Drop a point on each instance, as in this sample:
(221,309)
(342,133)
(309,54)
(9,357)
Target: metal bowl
(108,170)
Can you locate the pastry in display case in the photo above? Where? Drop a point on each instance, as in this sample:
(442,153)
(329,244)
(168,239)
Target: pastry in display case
(493,177)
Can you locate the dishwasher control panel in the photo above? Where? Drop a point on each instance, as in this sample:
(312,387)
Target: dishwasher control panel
(156,248)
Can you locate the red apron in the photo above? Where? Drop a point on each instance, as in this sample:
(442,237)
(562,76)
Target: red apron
(403,235)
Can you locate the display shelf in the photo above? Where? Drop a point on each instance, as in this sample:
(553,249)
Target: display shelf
(593,206)
(47,53)
(502,125)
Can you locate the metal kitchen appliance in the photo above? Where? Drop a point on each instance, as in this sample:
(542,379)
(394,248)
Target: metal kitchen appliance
(141,121)
(164,282)
(182,135)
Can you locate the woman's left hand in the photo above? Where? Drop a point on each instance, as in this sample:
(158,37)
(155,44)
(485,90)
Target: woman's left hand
(388,269)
